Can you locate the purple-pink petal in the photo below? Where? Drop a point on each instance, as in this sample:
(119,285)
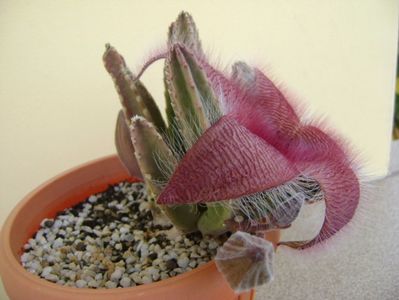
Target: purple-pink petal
(341,194)
(227,162)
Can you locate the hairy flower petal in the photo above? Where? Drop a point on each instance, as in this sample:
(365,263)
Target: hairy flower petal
(246,261)
(227,162)
(341,189)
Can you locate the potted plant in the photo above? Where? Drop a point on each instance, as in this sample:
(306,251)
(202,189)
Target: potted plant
(232,164)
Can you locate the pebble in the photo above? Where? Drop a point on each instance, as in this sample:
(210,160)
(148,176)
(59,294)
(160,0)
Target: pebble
(92,199)
(98,276)
(93,284)
(124,230)
(213,245)
(146,279)
(26,257)
(58,243)
(57,224)
(46,271)
(61,282)
(115,236)
(125,282)
(136,278)
(116,275)
(51,277)
(155,277)
(183,262)
(36,267)
(111,284)
(81,283)
(111,241)
(192,264)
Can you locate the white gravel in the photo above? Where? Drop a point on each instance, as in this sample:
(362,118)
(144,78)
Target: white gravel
(110,241)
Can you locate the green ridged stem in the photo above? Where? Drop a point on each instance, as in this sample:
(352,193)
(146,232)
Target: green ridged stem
(149,149)
(202,86)
(184,31)
(185,97)
(172,131)
(135,98)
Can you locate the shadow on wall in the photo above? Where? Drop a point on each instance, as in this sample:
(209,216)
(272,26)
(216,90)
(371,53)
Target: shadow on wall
(396,109)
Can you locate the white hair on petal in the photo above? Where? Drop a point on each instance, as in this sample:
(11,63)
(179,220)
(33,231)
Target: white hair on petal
(280,205)
(182,135)
(212,112)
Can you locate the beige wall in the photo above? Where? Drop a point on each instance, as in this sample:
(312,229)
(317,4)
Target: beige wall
(58,106)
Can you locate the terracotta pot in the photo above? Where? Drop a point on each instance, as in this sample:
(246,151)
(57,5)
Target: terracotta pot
(64,191)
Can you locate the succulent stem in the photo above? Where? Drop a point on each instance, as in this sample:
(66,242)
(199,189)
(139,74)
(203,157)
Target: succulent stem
(212,221)
(135,98)
(149,148)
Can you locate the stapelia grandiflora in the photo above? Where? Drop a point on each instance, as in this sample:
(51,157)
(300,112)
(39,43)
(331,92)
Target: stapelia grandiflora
(235,155)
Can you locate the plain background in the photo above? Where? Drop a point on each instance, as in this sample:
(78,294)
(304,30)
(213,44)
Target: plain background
(58,106)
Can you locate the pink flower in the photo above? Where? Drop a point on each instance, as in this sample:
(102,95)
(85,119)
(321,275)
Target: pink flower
(259,143)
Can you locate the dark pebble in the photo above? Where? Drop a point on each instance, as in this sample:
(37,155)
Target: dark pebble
(171,264)
(157,227)
(140,226)
(125,247)
(78,206)
(89,222)
(153,256)
(59,235)
(148,216)
(119,196)
(194,236)
(74,212)
(135,206)
(80,246)
(60,213)
(68,242)
(48,223)
(118,257)
(99,214)
(161,238)
(122,214)
(101,199)
(91,234)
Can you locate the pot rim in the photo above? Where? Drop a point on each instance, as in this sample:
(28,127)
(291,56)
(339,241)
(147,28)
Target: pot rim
(10,261)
